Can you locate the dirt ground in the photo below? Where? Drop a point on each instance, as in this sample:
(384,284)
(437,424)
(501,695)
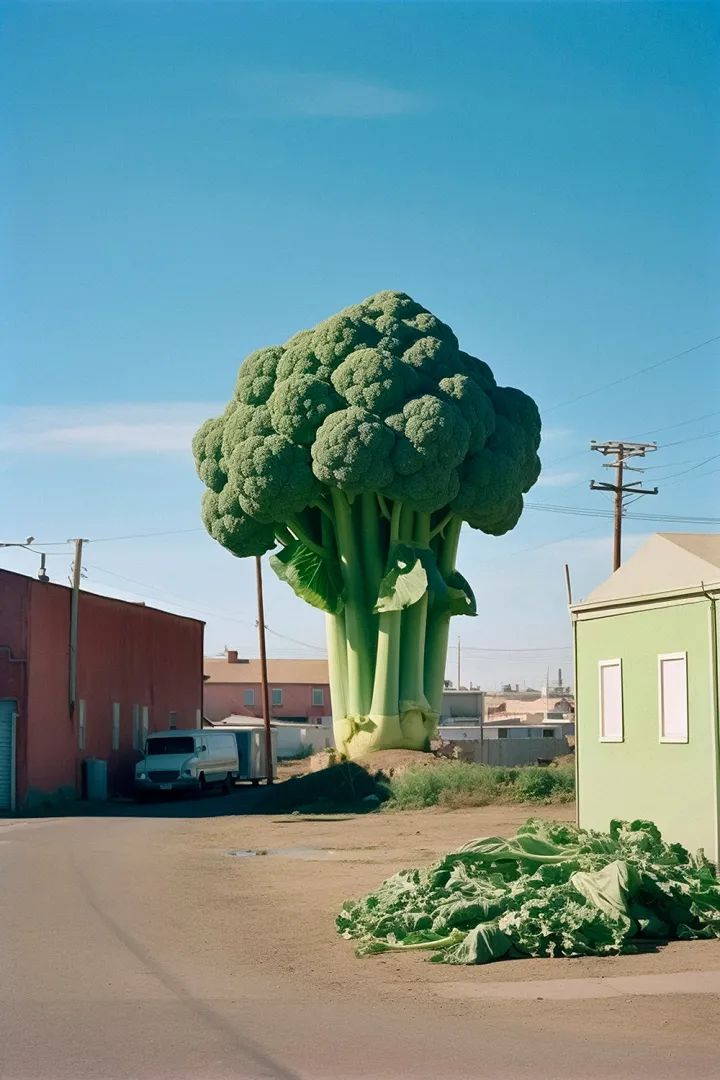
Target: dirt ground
(286,904)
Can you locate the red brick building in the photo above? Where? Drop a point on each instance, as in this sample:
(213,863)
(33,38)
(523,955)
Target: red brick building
(299,689)
(138,670)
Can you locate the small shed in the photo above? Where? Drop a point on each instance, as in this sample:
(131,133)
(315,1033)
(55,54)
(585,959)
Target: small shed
(646,676)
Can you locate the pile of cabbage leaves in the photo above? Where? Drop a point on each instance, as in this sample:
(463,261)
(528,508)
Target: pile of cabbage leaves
(551,890)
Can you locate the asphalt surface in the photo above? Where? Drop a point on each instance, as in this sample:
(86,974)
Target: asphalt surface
(108,971)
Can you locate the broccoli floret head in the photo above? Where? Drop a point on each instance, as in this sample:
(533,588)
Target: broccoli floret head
(272,477)
(352,451)
(224,519)
(378,397)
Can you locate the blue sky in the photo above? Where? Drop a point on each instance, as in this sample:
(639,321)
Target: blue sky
(184,183)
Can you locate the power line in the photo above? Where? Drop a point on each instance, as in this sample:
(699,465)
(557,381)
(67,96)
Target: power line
(534,649)
(699,476)
(634,374)
(692,469)
(693,438)
(550,543)
(109,539)
(596,512)
(681,423)
(641,435)
(198,605)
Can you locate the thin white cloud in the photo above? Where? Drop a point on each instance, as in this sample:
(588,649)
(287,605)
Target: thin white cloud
(103,430)
(558,479)
(284,94)
(555,434)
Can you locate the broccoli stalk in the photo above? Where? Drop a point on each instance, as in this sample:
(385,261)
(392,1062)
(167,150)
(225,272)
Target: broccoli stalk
(356,451)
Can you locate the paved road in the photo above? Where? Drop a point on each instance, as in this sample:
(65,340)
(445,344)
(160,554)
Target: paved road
(108,973)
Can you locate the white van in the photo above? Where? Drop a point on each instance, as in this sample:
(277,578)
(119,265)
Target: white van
(193,760)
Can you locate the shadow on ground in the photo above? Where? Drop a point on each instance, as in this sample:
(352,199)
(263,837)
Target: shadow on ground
(340,789)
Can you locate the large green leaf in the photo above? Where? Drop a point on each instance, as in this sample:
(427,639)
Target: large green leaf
(462,597)
(405,581)
(452,594)
(316,579)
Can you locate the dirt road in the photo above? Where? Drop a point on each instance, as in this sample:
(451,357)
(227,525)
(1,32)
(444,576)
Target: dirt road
(136,948)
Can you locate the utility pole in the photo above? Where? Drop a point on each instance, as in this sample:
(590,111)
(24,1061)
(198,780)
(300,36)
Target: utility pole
(74,606)
(263,670)
(458,677)
(623,452)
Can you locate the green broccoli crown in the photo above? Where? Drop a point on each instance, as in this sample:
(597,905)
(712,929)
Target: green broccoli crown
(378,397)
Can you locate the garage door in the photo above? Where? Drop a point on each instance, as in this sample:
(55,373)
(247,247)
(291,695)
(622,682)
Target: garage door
(7,712)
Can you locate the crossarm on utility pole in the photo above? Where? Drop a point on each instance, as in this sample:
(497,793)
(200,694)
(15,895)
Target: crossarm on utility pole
(622,452)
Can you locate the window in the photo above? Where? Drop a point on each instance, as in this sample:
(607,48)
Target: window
(549,733)
(277,696)
(502,733)
(318,697)
(248,697)
(170,744)
(116,726)
(673,697)
(173,721)
(137,734)
(145,724)
(81,725)
(611,701)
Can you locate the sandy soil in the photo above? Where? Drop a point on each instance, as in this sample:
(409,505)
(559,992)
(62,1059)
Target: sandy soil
(286,904)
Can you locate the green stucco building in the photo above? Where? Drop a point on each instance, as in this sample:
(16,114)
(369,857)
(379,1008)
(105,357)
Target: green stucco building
(646,677)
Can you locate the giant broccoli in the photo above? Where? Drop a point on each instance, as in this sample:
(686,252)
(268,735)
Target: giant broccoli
(360,448)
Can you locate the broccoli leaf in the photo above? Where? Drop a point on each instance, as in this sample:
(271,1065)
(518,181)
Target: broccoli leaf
(452,594)
(463,598)
(404,583)
(316,579)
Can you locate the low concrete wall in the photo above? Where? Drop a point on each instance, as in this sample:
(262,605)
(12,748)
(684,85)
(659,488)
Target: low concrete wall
(518,751)
(292,738)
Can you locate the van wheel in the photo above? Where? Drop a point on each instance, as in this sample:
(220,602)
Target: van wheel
(228,784)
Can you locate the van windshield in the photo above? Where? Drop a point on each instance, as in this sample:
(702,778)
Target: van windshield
(177,744)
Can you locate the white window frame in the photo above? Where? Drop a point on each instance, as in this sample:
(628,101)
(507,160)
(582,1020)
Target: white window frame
(661,704)
(249,698)
(319,691)
(172,720)
(116,725)
(82,723)
(603,737)
(276,690)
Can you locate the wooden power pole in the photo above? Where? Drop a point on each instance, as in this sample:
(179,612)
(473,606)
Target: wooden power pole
(263,670)
(74,607)
(623,452)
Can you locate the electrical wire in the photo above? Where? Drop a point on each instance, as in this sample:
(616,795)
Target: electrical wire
(681,423)
(684,472)
(110,539)
(654,431)
(199,607)
(634,374)
(597,512)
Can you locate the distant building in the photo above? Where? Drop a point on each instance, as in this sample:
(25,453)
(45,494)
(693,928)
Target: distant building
(299,689)
(138,670)
(647,658)
(466,704)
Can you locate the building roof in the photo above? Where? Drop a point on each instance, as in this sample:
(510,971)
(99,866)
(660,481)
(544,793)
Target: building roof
(666,563)
(233,669)
(90,596)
